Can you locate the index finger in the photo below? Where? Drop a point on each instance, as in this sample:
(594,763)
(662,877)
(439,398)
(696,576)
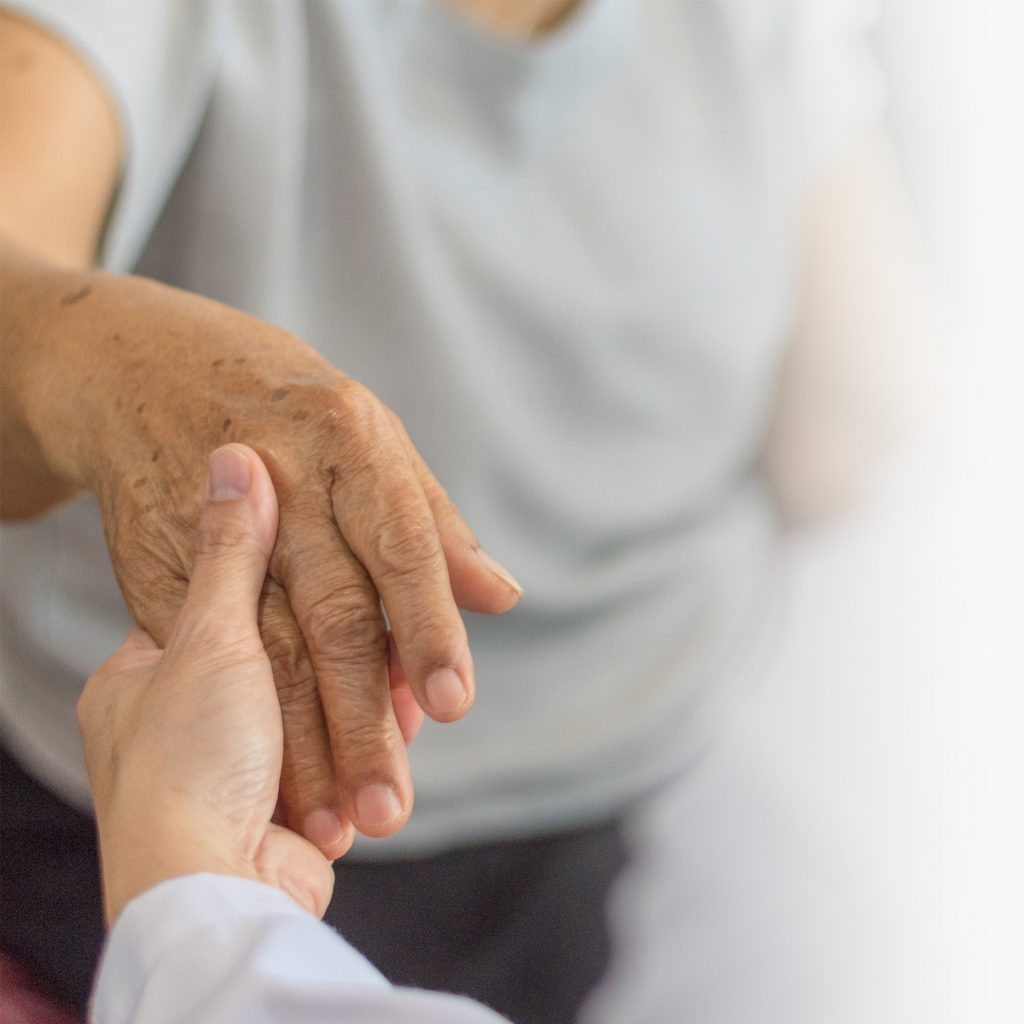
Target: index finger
(386,520)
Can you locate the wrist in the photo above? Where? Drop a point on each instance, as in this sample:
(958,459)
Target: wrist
(136,857)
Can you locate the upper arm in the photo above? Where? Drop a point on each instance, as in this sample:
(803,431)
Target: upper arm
(60,145)
(856,375)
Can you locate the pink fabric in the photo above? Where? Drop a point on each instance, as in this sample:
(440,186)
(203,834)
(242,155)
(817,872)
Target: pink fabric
(22,1001)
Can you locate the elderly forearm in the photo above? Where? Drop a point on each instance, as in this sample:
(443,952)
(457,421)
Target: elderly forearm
(43,409)
(60,151)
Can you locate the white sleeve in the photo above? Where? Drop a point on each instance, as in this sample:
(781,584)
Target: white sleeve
(213,949)
(158,59)
(811,75)
(836,83)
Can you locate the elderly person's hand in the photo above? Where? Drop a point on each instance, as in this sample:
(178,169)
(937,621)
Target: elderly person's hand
(122,386)
(133,385)
(184,745)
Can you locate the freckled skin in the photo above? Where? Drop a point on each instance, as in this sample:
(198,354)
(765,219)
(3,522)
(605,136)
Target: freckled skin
(362,524)
(362,520)
(72,297)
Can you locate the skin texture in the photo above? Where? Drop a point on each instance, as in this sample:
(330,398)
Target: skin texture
(123,387)
(140,382)
(55,185)
(184,745)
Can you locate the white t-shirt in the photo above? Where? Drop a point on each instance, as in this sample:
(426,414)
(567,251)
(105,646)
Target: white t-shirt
(212,949)
(568,265)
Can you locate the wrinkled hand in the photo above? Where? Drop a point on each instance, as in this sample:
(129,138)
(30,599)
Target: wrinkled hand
(363,524)
(184,745)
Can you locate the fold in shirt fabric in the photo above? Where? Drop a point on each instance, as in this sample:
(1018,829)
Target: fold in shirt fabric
(568,266)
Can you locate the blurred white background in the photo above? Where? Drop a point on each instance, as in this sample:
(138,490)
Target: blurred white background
(957,112)
(868,800)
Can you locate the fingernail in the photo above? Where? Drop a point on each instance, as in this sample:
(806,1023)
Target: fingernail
(229,475)
(377,804)
(500,571)
(323,828)
(445,691)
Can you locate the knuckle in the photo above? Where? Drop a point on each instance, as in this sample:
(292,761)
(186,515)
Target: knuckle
(367,430)
(361,469)
(300,704)
(369,745)
(348,406)
(293,674)
(436,643)
(448,516)
(305,780)
(223,538)
(346,623)
(406,547)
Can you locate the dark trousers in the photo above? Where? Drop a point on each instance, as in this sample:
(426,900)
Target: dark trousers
(518,925)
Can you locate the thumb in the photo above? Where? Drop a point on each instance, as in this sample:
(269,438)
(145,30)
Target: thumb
(237,530)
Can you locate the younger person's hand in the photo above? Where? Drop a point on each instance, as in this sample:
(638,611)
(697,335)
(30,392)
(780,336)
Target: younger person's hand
(184,745)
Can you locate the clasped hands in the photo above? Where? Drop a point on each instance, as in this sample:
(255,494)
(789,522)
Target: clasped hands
(141,382)
(184,745)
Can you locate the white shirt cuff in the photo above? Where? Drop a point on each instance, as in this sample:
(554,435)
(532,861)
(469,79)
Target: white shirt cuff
(181,941)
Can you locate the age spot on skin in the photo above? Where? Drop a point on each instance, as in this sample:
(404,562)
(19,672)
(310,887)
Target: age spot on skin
(217,362)
(240,360)
(139,408)
(224,426)
(300,416)
(72,297)
(279,394)
(156,455)
(141,481)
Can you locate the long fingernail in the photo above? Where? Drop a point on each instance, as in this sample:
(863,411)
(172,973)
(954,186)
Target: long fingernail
(377,804)
(229,477)
(500,571)
(445,691)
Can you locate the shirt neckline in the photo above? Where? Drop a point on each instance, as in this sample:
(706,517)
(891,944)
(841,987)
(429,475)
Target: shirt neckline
(566,45)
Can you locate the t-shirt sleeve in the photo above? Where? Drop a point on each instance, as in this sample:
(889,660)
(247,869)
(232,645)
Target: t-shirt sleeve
(158,59)
(837,89)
